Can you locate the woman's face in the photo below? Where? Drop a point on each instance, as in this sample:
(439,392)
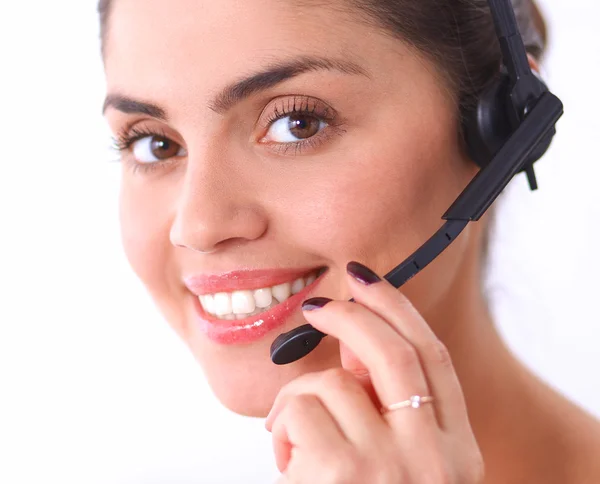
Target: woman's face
(342,146)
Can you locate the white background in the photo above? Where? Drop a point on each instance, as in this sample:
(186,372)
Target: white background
(94,387)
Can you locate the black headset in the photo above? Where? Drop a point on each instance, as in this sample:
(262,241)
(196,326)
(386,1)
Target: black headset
(511,127)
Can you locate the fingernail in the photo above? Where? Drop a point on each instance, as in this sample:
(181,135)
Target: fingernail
(362,274)
(315,303)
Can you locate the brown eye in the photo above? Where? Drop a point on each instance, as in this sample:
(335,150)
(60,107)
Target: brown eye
(303,127)
(164,148)
(151,149)
(294,128)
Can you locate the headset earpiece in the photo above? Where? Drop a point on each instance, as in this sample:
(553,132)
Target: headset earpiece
(488,126)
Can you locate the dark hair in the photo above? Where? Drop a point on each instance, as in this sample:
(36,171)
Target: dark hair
(458,35)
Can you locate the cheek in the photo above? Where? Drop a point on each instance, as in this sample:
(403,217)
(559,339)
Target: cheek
(140,232)
(361,206)
(382,202)
(144,219)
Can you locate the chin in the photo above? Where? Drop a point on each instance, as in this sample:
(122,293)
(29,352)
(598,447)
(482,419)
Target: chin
(246,381)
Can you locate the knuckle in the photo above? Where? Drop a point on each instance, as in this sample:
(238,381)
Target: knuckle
(298,406)
(400,357)
(337,379)
(437,352)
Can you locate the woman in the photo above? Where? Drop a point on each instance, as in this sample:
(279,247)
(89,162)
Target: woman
(269,145)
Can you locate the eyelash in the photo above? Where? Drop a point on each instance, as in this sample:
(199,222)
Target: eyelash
(127,137)
(317,111)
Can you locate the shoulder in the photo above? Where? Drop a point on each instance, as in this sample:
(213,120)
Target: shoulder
(584,443)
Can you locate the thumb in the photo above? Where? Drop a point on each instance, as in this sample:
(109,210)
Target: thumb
(353,365)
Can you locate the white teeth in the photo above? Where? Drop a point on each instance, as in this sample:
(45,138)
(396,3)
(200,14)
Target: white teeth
(263,297)
(208,303)
(282,291)
(297,286)
(242,302)
(222,303)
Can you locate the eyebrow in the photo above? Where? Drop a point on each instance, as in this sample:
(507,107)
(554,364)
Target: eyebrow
(236,92)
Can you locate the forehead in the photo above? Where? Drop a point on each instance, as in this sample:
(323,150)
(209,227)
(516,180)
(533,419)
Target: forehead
(182,53)
(208,37)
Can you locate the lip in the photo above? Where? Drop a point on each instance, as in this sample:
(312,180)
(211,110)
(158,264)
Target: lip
(243,280)
(249,330)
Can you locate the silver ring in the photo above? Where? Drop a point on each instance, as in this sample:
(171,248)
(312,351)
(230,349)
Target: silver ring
(415,402)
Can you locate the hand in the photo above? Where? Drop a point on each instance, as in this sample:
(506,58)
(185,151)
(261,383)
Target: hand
(328,427)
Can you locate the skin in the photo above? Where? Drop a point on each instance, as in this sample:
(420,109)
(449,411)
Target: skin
(372,190)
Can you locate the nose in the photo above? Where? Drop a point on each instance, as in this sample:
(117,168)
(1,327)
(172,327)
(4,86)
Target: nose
(216,207)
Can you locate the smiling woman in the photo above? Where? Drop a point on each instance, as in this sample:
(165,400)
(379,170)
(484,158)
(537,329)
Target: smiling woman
(259,163)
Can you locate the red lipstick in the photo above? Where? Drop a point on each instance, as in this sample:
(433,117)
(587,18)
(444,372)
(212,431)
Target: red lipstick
(243,280)
(253,328)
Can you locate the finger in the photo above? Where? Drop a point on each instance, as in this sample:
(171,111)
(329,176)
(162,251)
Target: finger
(356,368)
(342,396)
(391,305)
(392,362)
(305,426)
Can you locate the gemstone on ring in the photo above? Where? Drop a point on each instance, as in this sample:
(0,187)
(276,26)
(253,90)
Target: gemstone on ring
(415,402)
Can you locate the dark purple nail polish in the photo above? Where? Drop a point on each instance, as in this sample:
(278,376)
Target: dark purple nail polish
(315,303)
(362,274)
